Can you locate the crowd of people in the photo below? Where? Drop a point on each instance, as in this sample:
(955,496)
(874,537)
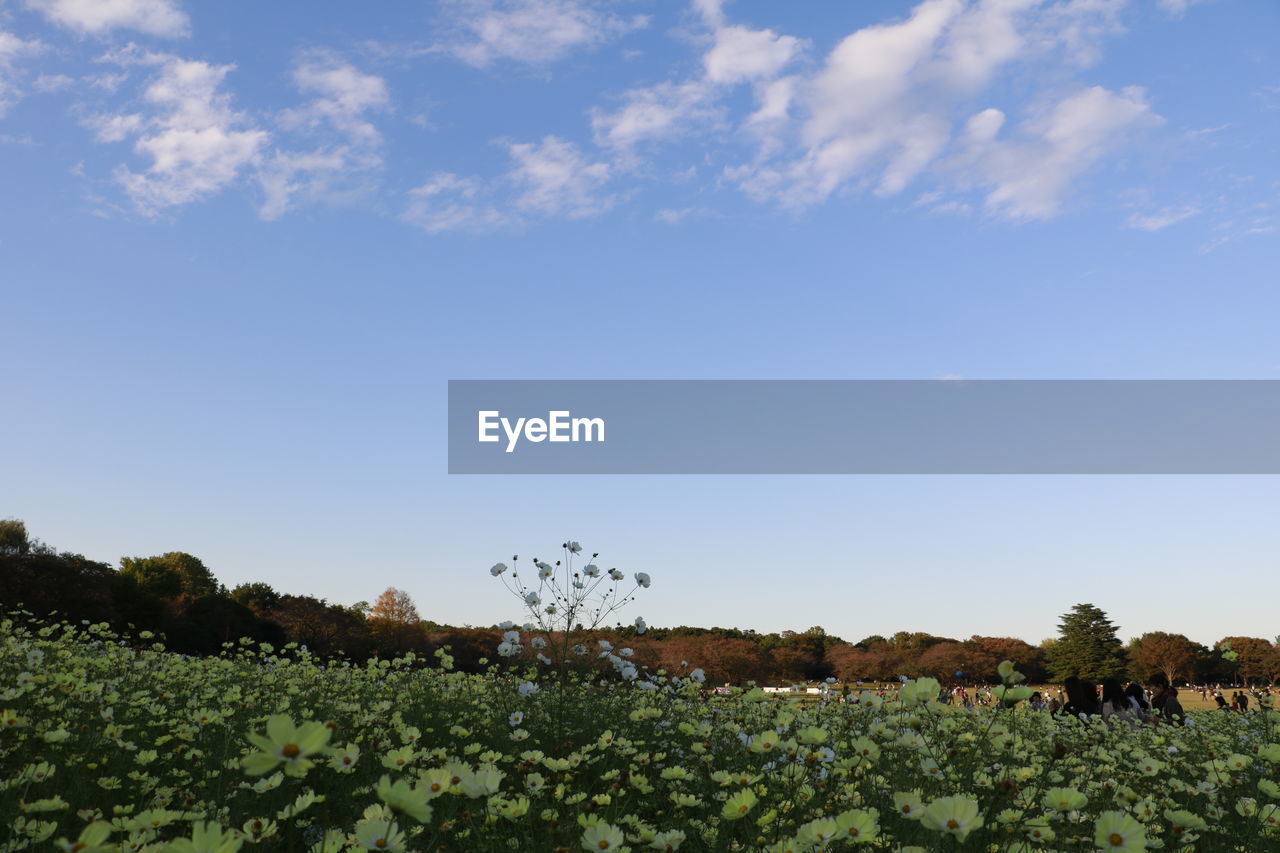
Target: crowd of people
(1112,699)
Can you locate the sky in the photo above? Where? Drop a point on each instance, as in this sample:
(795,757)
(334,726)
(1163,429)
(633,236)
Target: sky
(244,246)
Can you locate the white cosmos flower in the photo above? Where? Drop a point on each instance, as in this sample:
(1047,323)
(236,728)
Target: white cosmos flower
(626,653)
(527,689)
(507,649)
(579,649)
(606,645)
(629,672)
(591,570)
(506,626)
(532,599)
(498,568)
(512,636)
(574,547)
(698,675)
(642,578)
(641,627)
(544,659)
(545,571)
(538,642)
(615,574)
(516,718)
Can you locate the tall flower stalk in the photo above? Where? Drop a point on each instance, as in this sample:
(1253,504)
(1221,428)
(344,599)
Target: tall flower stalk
(567,602)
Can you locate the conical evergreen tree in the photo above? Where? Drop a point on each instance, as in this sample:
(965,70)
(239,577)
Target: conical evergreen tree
(1087,646)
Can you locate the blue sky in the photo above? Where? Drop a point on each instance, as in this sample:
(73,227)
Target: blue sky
(244,248)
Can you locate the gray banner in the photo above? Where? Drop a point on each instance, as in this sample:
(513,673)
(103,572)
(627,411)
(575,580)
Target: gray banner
(864,427)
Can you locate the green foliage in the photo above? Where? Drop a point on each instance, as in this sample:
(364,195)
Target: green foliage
(13,537)
(171,574)
(1087,646)
(256,595)
(107,746)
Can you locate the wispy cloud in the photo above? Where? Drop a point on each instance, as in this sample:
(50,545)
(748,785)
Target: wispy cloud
(1160,219)
(337,117)
(536,32)
(548,178)
(664,111)
(881,108)
(1029,176)
(186,126)
(1177,8)
(13,50)
(100,17)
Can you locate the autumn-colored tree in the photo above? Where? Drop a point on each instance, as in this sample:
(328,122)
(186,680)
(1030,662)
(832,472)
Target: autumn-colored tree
(394,605)
(395,623)
(1253,658)
(1172,656)
(1028,658)
(942,661)
(876,662)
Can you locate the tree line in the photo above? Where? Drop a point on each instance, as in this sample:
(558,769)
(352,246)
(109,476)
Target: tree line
(176,595)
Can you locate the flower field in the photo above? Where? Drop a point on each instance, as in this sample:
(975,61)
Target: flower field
(105,746)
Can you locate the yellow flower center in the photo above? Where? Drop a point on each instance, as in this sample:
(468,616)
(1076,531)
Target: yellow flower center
(1115,839)
(380,843)
(853,832)
(291,750)
(603,845)
(743,809)
(906,808)
(953,824)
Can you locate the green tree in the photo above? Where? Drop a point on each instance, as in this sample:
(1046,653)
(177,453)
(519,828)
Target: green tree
(168,575)
(256,596)
(14,541)
(1087,646)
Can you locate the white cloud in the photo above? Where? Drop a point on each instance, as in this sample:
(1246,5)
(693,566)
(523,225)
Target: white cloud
(663,111)
(196,142)
(547,178)
(1161,219)
(556,180)
(880,109)
(740,54)
(53,82)
(1177,8)
(531,31)
(99,17)
(858,112)
(675,216)
(1028,177)
(736,55)
(12,51)
(338,116)
(448,202)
